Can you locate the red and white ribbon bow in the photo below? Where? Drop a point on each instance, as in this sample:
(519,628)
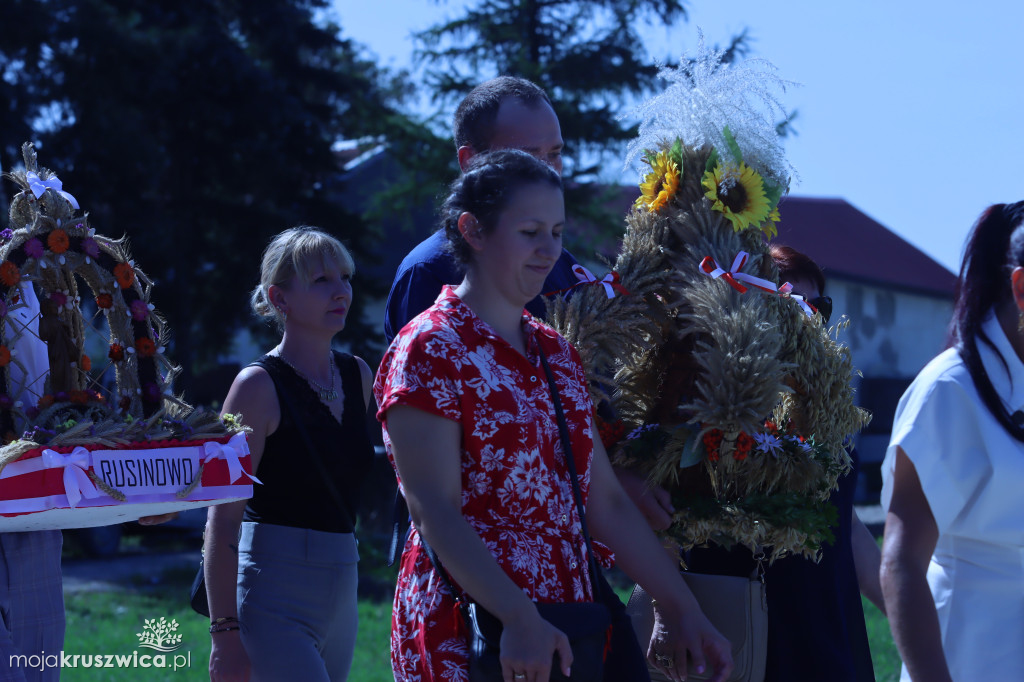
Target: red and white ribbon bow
(710,267)
(76,476)
(787,290)
(232,452)
(38,186)
(610,282)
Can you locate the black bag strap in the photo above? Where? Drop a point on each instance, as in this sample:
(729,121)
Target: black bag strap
(571,465)
(314,452)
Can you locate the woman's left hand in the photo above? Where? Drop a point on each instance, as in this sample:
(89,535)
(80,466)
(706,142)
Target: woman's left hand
(685,640)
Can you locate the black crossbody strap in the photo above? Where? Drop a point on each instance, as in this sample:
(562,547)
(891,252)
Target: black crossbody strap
(314,452)
(399,515)
(571,464)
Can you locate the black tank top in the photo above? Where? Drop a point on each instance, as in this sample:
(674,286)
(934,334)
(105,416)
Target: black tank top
(293,493)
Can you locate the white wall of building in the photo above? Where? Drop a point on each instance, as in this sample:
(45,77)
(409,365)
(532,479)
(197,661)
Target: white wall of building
(891,333)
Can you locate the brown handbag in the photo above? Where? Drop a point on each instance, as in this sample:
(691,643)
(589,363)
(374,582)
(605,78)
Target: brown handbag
(738,609)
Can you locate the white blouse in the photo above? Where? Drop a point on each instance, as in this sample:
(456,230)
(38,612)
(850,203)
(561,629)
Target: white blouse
(972,473)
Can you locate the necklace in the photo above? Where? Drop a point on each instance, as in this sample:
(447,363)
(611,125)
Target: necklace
(328,394)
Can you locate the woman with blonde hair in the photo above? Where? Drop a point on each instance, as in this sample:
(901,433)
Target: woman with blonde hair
(281,567)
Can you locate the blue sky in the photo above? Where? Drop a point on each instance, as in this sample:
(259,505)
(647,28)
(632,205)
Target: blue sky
(912,111)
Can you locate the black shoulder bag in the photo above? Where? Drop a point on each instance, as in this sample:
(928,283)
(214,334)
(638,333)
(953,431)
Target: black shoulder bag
(586,624)
(198,597)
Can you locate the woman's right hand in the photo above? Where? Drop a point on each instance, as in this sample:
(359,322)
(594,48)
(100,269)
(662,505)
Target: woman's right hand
(528,643)
(228,660)
(685,637)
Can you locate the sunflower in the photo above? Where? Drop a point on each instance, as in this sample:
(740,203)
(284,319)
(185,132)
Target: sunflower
(660,185)
(738,192)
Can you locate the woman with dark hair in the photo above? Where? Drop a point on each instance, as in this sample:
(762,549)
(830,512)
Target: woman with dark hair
(805,275)
(953,555)
(470,426)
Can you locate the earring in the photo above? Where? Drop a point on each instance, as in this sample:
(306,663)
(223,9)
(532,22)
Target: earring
(283,312)
(1020,321)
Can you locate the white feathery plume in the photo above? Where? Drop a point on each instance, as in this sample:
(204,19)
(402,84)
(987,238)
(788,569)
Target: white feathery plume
(703,98)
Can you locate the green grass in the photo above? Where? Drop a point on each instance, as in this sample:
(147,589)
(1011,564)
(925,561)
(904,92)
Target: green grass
(107,623)
(884,655)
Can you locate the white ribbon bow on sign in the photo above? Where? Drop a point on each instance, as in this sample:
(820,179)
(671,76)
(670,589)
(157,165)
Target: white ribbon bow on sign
(39,186)
(76,477)
(231,451)
(609,281)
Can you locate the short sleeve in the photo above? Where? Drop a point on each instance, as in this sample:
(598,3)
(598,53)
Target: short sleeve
(936,425)
(420,369)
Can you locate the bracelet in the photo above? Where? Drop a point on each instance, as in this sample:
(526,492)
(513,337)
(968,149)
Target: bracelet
(224,619)
(224,629)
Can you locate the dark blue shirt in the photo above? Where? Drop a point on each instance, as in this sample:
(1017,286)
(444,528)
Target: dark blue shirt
(429,266)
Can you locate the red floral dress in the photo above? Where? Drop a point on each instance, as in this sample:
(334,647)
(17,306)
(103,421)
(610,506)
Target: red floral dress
(516,490)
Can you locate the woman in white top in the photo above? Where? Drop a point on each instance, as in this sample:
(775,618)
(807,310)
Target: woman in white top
(953,556)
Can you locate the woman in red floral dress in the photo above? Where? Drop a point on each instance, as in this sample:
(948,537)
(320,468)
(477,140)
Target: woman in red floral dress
(469,426)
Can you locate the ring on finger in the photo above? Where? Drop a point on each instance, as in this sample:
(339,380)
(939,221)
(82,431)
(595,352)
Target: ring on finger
(519,676)
(661,659)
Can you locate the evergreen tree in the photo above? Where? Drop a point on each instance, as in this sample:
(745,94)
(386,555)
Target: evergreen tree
(200,129)
(23,33)
(587,54)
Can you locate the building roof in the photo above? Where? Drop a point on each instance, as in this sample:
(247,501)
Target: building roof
(849,244)
(844,241)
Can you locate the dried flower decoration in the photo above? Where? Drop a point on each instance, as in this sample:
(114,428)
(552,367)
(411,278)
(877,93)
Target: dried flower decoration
(58,241)
(90,247)
(736,100)
(125,275)
(10,275)
(145,347)
(34,248)
(139,310)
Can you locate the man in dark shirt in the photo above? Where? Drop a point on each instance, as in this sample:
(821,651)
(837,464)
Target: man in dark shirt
(502,113)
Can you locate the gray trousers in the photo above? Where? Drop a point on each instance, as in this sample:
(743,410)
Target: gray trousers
(297,602)
(31,603)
